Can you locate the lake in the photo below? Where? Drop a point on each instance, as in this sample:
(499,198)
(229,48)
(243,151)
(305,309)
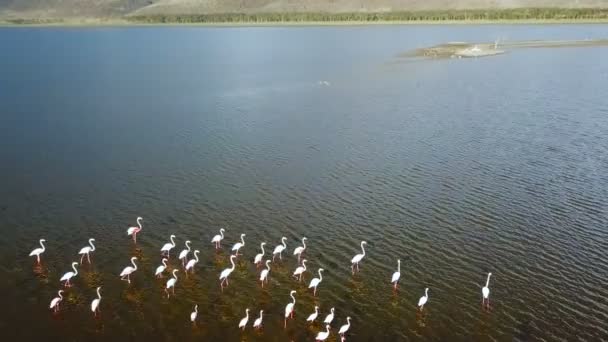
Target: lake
(457,167)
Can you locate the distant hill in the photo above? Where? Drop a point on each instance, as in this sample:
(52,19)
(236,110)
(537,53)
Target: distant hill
(120,8)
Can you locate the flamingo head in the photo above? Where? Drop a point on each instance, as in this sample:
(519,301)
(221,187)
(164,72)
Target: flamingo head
(42,240)
(292,292)
(490,274)
(304,238)
(263,244)
(74,263)
(139,218)
(321,270)
(364,242)
(172,236)
(133,258)
(222,230)
(243,235)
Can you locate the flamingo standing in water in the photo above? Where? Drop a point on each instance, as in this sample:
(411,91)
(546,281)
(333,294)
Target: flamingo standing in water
(171,283)
(485,292)
(243,322)
(423,299)
(183,255)
(55,302)
(279,249)
(86,250)
(329,318)
(225,273)
(345,327)
(237,246)
(300,270)
(95,302)
(315,282)
(257,324)
(194,314)
(69,275)
(126,272)
(168,246)
(217,240)
(134,230)
(289,307)
(258,257)
(264,273)
(357,258)
(160,269)
(191,263)
(39,250)
(299,250)
(313,316)
(396,275)
(322,336)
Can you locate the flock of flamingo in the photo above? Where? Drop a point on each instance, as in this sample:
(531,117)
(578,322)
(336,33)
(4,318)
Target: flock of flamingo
(225,274)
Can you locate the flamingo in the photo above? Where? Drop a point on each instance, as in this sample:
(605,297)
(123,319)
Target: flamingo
(322,336)
(396,275)
(184,253)
(357,258)
(237,246)
(244,321)
(264,273)
(289,307)
(345,327)
(485,291)
(192,262)
(134,230)
(69,275)
(257,324)
(313,316)
(301,269)
(225,273)
(218,238)
(299,250)
(39,251)
(128,270)
(95,302)
(258,257)
(171,283)
(86,250)
(194,314)
(329,318)
(279,249)
(423,299)
(160,269)
(168,246)
(55,302)
(315,282)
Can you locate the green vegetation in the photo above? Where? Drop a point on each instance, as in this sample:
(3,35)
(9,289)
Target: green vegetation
(556,14)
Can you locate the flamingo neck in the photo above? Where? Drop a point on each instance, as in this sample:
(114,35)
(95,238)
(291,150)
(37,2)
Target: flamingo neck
(164,262)
(242,241)
(327,328)
(283,242)
(488,281)
(304,265)
(188,245)
(399,266)
(426,293)
(268,265)
(232,262)
(222,233)
(196,256)
(247,314)
(293,298)
(75,270)
(92,245)
(320,276)
(98,294)
(196,308)
(172,242)
(262,246)
(139,223)
(175,275)
(363,248)
(134,265)
(304,243)
(60,296)
(42,245)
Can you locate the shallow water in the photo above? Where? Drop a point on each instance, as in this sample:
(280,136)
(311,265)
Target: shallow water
(457,167)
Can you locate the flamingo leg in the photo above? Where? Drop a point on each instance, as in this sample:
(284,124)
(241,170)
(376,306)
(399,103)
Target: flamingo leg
(82,257)
(134,237)
(129,278)
(167,292)
(314,292)
(281,256)
(88,258)
(38,257)
(285,322)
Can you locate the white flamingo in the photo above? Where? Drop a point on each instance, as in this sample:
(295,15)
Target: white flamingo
(313,316)
(226,273)
(126,272)
(264,273)
(86,250)
(315,282)
(423,299)
(55,302)
(183,255)
(345,327)
(257,324)
(329,318)
(396,275)
(69,275)
(237,246)
(171,283)
(289,307)
(299,250)
(95,302)
(160,269)
(485,291)
(134,230)
(323,335)
(301,269)
(357,258)
(168,246)
(191,263)
(194,314)
(39,250)
(243,322)
(279,249)
(218,239)
(258,257)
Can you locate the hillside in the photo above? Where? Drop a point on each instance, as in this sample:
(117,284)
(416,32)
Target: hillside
(120,8)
